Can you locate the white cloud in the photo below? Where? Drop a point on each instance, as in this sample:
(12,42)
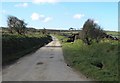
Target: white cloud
(78,16)
(47,19)
(22,5)
(96,21)
(43,18)
(35,16)
(44,1)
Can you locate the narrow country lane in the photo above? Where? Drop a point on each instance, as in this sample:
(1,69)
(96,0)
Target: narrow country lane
(46,64)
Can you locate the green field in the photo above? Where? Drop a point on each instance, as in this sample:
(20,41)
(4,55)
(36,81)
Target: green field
(85,58)
(113,33)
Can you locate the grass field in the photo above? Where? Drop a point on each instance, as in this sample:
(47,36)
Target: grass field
(85,58)
(113,33)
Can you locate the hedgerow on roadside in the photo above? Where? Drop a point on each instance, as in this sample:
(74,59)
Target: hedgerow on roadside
(16,46)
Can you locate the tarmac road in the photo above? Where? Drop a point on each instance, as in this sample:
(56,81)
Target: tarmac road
(46,64)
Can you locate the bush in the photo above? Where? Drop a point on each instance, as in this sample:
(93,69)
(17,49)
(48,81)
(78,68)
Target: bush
(91,31)
(16,24)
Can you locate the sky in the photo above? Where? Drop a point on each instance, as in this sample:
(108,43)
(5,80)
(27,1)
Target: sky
(51,14)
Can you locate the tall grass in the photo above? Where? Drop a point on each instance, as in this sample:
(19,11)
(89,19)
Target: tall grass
(85,57)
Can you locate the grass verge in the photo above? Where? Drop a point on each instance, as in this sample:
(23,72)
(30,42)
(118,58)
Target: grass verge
(97,61)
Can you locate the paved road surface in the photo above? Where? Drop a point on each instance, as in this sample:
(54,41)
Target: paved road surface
(46,64)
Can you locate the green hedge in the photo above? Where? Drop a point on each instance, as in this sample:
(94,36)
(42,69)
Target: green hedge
(16,46)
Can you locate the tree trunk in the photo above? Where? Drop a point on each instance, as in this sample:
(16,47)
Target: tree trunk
(88,41)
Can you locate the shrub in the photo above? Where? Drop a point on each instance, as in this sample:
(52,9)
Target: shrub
(91,31)
(16,24)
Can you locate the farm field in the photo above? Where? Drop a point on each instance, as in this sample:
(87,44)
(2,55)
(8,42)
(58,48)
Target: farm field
(98,61)
(113,33)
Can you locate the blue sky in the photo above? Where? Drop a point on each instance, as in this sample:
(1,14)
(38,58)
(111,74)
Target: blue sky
(62,15)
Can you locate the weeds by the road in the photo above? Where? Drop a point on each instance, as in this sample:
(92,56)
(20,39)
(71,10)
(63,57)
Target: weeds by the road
(98,61)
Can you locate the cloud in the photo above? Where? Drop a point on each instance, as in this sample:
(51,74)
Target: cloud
(78,16)
(36,16)
(44,1)
(96,21)
(47,19)
(22,5)
(43,18)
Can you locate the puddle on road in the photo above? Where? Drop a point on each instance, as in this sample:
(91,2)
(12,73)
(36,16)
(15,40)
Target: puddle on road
(51,57)
(39,63)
